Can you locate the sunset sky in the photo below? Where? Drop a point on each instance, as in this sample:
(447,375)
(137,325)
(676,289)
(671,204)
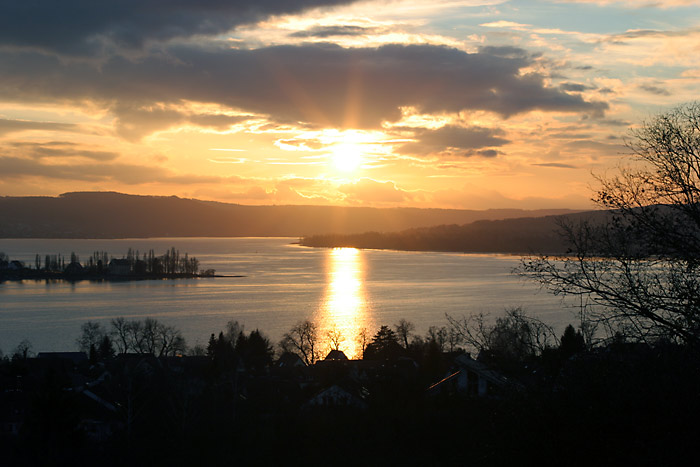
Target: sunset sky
(454,104)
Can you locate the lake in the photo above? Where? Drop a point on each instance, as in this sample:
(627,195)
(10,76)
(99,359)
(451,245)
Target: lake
(339,289)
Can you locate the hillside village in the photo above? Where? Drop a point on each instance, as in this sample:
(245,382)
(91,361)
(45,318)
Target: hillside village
(418,404)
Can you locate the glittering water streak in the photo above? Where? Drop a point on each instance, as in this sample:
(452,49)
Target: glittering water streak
(344,311)
(340,289)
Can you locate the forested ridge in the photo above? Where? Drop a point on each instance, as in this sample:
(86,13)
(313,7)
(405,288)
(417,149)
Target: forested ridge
(521,235)
(116,215)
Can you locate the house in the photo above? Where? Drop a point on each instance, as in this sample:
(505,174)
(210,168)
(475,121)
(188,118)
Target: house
(74,269)
(336,396)
(120,267)
(14,404)
(472,378)
(74,357)
(336,355)
(290,360)
(15,265)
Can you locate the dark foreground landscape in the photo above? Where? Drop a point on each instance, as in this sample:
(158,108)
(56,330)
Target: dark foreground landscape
(417,400)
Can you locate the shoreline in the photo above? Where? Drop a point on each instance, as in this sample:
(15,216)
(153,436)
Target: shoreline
(60,276)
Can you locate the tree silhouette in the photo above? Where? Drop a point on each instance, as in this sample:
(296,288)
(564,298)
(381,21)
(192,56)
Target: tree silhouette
(302,339)
(147,337)
(335,338)
(640,265)
(91,335)
(571,342)
(255,350)
(403,331)
(23,350)
(384,346)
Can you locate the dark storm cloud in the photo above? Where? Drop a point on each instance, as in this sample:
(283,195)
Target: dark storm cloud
(455,141)
(334,31)
(320,84)
(84,27)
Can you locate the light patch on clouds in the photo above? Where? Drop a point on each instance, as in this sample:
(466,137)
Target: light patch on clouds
(636,3)
(373,192)
(506,24)
(653,47)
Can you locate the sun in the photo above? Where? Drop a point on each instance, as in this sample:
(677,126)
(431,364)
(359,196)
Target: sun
(346,157)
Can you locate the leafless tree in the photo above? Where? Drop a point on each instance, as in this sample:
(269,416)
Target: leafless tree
(120,334)
(514,335)
(404,329)
(438,336)
(170,341)
(91,335)
(363,339)
(23,350)
(640,263)
(302,339)
(335,338)
(147,337)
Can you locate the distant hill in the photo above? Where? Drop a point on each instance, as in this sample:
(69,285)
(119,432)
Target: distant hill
(116,215)
(518,236)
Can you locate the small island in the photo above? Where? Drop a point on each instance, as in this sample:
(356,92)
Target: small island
(101,266)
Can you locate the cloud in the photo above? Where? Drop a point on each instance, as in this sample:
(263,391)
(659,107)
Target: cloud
(134,121)
(637,3)
(371,191)
(574,87)
(80,27)
(593,148)
(505,24)
(318,84)
(334,31)
(124,173)
(14,126)
(454,141)
(657,90)
(69,161)
(650,47)
(60,149)
(474,198)
(557,165)
(488,153)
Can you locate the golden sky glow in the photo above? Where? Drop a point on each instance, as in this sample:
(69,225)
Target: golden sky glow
(455,104)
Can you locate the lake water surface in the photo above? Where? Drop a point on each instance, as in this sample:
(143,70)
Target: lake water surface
(343,289)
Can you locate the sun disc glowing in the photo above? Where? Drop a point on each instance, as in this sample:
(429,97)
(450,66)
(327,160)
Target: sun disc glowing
(347,157)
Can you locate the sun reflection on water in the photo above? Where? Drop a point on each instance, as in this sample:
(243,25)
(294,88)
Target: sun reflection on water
(344,309)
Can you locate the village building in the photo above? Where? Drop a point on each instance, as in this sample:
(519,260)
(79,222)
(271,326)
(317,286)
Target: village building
(120,267)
